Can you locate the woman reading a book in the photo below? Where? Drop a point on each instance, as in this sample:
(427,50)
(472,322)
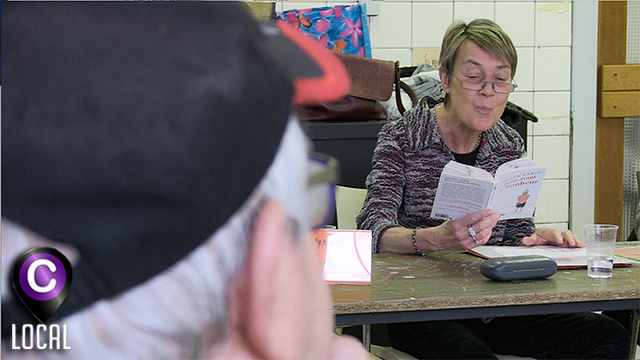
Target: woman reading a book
(477,65)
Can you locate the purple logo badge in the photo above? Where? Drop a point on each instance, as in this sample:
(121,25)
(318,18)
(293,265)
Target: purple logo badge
(41,279)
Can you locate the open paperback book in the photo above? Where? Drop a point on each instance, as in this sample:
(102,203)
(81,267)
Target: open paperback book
(566,258)
(465,189)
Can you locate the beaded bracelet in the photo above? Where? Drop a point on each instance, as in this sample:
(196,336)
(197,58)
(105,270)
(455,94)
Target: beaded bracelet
(415,244)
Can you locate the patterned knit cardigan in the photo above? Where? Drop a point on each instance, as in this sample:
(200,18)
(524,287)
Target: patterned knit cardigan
(406,166)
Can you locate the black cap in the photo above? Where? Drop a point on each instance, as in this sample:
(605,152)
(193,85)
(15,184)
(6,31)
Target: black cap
(133,130)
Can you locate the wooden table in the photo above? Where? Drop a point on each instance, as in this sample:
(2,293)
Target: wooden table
(448,285)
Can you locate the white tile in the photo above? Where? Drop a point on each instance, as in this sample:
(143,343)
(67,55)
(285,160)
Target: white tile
(402,55)
(552,152)
(552,103)
(553,202)
(553,112)
(392,28)
(467,11)
(523,99)
(552,126)
(429,56)
(529,145)
(553,24)
(430,22)
(517,19)
(290,5)
(525,69)
(552,68)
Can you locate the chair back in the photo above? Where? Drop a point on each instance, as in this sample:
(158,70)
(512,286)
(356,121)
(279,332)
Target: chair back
(349,201)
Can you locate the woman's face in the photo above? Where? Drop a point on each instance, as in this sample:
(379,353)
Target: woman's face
(475,110)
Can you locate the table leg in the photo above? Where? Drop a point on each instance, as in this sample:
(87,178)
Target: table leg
(633,333)
(366,337)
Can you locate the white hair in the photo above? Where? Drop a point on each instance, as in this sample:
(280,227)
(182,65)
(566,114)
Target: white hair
(182,312)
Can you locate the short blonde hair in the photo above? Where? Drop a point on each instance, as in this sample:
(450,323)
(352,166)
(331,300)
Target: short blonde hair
(484,33)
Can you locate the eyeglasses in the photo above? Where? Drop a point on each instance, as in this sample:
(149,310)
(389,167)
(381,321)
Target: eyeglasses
(324,174)
(477,85)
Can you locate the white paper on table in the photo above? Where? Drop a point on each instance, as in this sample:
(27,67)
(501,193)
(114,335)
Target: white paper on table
(348,258)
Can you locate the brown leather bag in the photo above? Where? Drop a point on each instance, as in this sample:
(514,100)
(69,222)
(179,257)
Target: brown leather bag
(372,81)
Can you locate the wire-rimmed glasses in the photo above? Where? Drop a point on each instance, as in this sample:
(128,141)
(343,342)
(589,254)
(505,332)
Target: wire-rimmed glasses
(478,85)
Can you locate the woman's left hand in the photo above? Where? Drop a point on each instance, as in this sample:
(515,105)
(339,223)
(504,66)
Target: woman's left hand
(547,236)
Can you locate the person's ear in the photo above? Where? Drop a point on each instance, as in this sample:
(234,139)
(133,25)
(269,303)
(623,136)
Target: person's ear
(267,295)
(444,79)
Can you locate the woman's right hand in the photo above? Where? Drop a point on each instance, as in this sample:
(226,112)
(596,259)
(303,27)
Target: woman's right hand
(457,234)
(450,235)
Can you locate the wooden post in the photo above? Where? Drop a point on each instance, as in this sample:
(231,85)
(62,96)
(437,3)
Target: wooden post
(609,180)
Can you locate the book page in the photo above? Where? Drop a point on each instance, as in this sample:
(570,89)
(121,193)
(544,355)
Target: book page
(457,197)
(455,168)
(516,166)
(515,196)
(465,189)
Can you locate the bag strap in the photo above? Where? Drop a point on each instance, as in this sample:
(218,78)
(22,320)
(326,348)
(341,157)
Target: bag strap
(404,86)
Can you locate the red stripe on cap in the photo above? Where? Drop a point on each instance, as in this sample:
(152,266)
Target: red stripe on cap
(335,83)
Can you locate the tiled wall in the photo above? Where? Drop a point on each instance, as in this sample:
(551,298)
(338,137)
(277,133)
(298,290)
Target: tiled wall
(541,32)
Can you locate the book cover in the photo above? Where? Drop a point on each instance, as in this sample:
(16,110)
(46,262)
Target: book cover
(464,189)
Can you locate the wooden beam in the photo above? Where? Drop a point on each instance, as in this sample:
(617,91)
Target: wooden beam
(619,92)
(615,104)
(612,32)
(609,195)
(620,77)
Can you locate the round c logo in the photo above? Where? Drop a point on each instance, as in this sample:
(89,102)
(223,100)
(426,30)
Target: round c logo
(41,279)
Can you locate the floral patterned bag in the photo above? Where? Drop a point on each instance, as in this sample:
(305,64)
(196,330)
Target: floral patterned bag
(343,29)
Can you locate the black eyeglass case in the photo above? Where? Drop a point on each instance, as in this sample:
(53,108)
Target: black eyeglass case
(518,267)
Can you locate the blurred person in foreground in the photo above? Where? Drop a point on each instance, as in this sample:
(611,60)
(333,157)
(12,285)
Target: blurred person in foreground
(477,66)
(152,144)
